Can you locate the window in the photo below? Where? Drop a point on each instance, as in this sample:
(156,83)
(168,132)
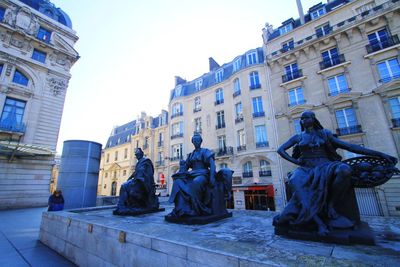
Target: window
(160,139)
(337,85)
(388,70)
(258,110)
(197,104)
(219,75)
(297,126)
(238,112)
(378,40)
(247,169)
(197,125)
(222,143)
(254,80)
(223,165)
(296,97)
(347,121)
(124,172)
(20,78)
(178,90)
(288,45)
(146,142)
(261,136)
(331,58)
(236,87)
(116,156)
(2,12)
(198,83)
(177,152)
(237,64)
(177,130)
(39,55)
(323,30)
(241,137)
(265,168)
(108,158)
(43,35)
(177,110)
(291,72)
(220,120)
(395,110)
(125,153)
(12,115)
(317,13)
(1,68)
(219,96)
(252,58)
(285,28)
(160,157)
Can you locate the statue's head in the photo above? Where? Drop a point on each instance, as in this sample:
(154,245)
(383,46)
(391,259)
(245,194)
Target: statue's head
(308,120)
(139,153)
(197,140)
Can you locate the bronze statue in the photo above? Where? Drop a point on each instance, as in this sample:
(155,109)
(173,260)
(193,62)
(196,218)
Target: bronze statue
(322,186)
(137,194)
(199,194)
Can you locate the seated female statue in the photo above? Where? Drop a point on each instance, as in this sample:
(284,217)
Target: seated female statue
(321,181)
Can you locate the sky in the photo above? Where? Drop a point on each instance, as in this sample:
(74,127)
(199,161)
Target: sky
(131,50)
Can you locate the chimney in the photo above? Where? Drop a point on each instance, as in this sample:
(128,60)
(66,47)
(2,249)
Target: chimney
(301,13)
(179,80)
(213,64)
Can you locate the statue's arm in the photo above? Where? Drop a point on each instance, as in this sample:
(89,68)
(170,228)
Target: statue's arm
(285,146)
(359,149)
(212,171)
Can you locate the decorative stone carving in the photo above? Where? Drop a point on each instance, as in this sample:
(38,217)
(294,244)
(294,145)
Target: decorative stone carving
(22,19)
(10,16)
(57,85)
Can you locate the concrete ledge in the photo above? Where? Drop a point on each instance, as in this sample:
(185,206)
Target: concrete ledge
(94,237)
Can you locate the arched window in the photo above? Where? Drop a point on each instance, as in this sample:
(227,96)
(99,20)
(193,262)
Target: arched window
(20,78)
(265,168)
(247,169)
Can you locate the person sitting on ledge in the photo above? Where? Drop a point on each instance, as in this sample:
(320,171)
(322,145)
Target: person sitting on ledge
(321,181)
(138,192)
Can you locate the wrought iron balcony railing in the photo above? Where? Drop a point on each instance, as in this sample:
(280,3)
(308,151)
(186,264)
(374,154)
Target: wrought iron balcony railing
(341,91)
(265,173)
(177,114)
(218,102)
(14,127)
(160,163)
(255,86)
(336,60)
(298,102)
(220,126)
(176,135)
(349,130)
(196,109)
(219,152)
(236,93)
(176,158)
(258,114)
(160,143)
(396,122)
(382,44)
(262,144)
(241,148)
(292,75)
(390,78)
(247,174)
(239,119)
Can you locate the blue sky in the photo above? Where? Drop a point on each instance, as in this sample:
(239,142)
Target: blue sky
(131,50)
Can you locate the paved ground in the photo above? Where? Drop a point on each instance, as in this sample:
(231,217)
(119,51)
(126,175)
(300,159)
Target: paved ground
(19,244)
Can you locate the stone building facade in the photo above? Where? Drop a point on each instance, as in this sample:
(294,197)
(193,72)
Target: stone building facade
(341,60)
(230,108)
(36,54)
(118,157)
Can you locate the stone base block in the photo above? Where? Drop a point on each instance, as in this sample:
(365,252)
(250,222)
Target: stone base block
(128,212)
(197,219)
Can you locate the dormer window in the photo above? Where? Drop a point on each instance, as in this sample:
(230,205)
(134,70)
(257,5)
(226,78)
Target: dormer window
(317,13)
(219,75)
(44,35)
(285,28)
(178,90)
(236,64)
(252,58)
(198,83)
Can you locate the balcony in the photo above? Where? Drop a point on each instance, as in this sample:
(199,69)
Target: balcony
(176,158)
(265,173)
(177,114)
(298,102)
(258,114)
(241,148)
(262,144)
(247,174)
(396,122)
(12,126)
(349,130)
(220,126)
(196,109)
(160,163)
(236,93)
(239,119)
(379,45)
(342,91)
(218,102)
(255,86)
(390,78)
(160,143)
(178,135)
(292,75)
(226,151)
(330,62)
